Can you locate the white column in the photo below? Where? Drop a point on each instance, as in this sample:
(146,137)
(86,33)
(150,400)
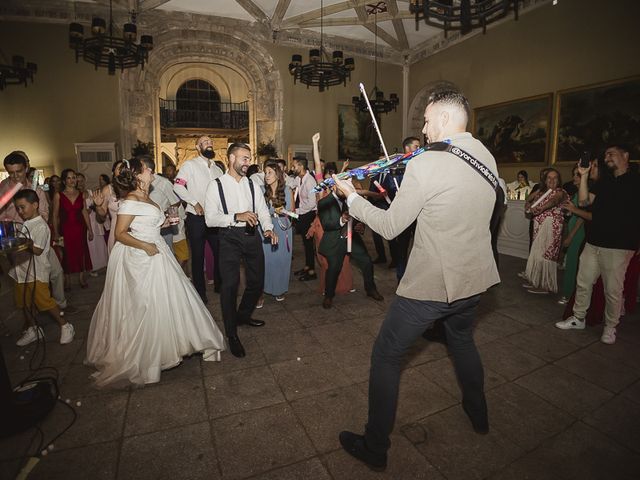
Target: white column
(405,99)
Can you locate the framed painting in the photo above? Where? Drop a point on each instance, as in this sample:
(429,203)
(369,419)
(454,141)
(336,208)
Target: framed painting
(588,118)
(357,138)
(516,132)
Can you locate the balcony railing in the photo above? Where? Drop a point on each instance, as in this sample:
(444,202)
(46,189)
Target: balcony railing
(225,115)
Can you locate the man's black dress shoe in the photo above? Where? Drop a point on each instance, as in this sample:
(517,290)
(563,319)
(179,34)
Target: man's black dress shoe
(302,271)
(307,276)
(380,260)
(252,322)
(327,302)
(237,350)
(355,446)
(375,295)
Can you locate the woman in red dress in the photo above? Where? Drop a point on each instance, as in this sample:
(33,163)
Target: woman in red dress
(71,222)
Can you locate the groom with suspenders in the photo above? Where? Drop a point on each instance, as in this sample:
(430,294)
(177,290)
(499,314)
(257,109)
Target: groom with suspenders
(234,206)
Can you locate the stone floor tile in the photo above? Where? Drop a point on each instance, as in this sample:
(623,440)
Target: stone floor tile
(312,316)
(326,414)
(526,313)
(309,375)
(458,452)
(541,344)
(354,361)
(582,338)
(182,452)
(524,418)
(565,390)
(95,462)
(404,462)
(496,325)
(599,370)
(508,360)
(236,392)
(423,351)
(312,469)
(579,453)
(165,405)
(278,347)
(620,419)
(633,392)
(254,442)
(622,352)
(371,323)
(229,363)
(345,334)
(442,373)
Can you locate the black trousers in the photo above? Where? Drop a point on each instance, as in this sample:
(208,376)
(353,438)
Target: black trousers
(405,322)
(302,227)
(360,258)
(234,247)
(378,242)
(198,233)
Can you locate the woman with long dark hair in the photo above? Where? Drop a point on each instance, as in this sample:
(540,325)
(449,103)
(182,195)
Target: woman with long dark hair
(149,316)
(71,222)
(107,202)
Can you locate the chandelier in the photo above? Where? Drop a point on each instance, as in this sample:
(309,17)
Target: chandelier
(322,71)
(110,51)
(376,98)
(17,73)
(463,15)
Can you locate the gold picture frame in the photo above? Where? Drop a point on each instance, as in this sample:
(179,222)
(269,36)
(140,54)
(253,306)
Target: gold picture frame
(588,117)
(516,132)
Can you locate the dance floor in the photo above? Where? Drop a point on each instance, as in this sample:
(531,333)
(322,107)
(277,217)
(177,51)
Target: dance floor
(562,405)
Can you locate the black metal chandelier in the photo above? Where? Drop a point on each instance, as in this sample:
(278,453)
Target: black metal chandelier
(376,98)
(17,73)
(463,15)
(321,71)
(110,51)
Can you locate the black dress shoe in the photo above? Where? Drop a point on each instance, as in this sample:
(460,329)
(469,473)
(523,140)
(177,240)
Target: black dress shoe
(237,350)
(327,302)
(355,446)
(252,322)
(307,276)
(302,271)
(375,295)
(380,260)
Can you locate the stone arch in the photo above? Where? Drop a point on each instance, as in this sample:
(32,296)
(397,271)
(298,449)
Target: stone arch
(419,103)
(139,89)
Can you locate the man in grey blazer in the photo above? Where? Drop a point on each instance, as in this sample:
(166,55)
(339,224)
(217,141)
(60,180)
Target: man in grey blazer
(450,266)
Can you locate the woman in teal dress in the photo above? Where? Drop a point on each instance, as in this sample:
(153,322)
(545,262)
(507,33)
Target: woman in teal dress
(277,259)
(573,243)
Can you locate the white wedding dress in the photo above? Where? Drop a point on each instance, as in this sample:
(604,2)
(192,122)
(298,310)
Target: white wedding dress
(149,315)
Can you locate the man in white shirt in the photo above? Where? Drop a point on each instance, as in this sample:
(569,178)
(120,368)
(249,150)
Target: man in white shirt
(236,206)
(306,208)
(191,185)
(163,195)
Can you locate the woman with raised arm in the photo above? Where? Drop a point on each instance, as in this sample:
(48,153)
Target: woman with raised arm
(149,316)
(107,202)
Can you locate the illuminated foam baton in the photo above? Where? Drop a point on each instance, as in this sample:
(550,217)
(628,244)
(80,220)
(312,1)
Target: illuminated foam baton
(8,195)
(289,214)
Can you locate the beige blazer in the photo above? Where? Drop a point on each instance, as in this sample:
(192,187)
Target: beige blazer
(451,257)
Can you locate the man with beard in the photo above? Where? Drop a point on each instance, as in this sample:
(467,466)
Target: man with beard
(236,206)
(191,186)
(613,237)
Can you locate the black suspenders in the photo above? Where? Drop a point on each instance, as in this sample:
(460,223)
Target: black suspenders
(224,201)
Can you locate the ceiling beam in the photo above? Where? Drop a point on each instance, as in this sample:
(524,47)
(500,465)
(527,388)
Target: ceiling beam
(253,10)
(151,4)
(294,22)
(278,15)
(398,26)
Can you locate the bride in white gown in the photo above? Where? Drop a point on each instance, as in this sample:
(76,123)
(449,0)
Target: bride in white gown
(149,315)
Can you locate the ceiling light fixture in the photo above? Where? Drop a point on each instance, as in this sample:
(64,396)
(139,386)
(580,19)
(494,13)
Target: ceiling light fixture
(321,71)
(110,51)
(463,15)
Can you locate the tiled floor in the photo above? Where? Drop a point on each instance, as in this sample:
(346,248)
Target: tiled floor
(562,405)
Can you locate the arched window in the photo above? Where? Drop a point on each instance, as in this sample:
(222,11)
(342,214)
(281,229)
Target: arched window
(197,103)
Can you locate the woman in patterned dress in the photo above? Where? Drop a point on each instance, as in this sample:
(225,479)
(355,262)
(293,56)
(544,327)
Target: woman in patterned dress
(545,205)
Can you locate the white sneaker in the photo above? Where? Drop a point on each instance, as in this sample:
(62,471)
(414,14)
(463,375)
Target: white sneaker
(30,335)
(608,336)
(563,300)
(279,298)
(67,332)
(571,323)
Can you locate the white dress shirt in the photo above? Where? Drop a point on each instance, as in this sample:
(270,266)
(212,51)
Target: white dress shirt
(162,192)
(193,179)
(305,193)
(238,199)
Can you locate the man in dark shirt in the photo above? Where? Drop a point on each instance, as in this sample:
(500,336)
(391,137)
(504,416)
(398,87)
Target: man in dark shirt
(612,239)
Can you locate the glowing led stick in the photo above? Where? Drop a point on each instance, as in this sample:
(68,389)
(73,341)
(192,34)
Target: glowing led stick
(382,191)
(6,198)
(349,234)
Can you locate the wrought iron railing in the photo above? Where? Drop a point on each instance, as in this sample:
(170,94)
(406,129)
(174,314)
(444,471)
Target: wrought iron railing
(216,115)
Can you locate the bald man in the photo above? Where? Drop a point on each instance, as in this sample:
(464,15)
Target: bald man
(191,186)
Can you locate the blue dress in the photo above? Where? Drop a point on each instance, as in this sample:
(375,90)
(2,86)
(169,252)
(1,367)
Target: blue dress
(277,260)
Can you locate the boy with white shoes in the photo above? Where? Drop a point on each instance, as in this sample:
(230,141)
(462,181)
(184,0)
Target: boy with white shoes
(32,269)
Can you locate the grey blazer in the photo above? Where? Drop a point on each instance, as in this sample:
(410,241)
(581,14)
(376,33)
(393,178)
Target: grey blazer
(451,257)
